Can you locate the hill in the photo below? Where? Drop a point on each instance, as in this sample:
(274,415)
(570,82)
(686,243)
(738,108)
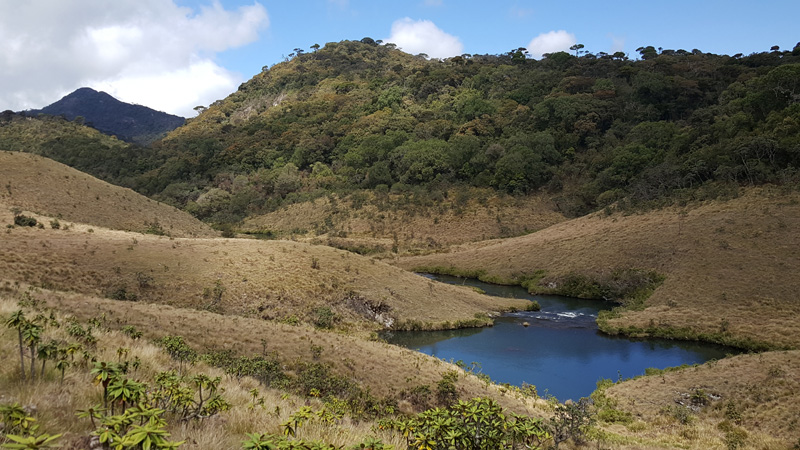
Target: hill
(744,401)
(45,187)
(131,123)
(588,132)
(723,263)
(271,280)
(75,145)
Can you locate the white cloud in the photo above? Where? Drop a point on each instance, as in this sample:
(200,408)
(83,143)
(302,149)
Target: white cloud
(150,52)
(551,42)
(423,36)
(617,43)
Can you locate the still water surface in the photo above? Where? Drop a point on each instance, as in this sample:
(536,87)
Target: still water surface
(562,352)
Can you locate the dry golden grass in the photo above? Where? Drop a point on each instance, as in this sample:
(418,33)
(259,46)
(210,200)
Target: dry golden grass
(55,404)
(383,368)
(729,265)
(43,186)
(764,390)
(387,221)
(265,279)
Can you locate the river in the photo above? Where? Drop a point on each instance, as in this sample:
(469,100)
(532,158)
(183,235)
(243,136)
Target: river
(562,352)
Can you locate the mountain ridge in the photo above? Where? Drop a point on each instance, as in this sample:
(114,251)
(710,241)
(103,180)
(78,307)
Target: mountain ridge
(129,122)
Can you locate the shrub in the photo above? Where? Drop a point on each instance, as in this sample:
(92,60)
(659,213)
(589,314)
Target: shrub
(24,221)
(323,317)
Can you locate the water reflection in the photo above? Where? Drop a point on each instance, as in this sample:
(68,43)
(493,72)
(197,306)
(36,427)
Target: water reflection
(561,352)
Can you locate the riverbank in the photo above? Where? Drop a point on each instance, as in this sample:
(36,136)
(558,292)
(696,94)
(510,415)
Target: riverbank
(696,272)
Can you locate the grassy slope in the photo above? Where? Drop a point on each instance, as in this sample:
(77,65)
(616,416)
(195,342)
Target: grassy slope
(46,187)
(55,404)
(418,228)
(267,279)
(383,368)
(727,263)
(764,390)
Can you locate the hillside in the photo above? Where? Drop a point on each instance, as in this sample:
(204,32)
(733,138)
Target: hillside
(272,280)
(45,187)
(745,400)
(386,224)
(75,145)
(130,123)
(127,333)
(726,266)
(587,132)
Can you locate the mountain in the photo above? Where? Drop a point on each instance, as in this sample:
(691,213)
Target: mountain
(590,132)
(131,123)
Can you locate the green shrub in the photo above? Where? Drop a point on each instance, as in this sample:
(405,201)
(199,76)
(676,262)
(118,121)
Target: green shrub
(25,221)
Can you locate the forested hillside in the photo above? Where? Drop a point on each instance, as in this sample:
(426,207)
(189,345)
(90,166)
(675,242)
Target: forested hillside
(590,130)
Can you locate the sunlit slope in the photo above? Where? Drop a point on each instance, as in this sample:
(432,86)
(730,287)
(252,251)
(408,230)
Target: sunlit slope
(43,186)
(383,368)
(281,280)
(729,265)
(757,394)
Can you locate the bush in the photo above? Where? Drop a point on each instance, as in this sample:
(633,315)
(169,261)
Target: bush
(25,221)
(323,317)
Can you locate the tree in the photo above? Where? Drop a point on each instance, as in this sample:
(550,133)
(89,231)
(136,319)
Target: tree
(315,47)
(577,49)
(105,373)
(32,335)
(18,321)
(45,352)
(648,52)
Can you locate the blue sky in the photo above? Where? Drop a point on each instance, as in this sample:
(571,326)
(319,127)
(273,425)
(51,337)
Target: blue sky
(173,55)
(728,27)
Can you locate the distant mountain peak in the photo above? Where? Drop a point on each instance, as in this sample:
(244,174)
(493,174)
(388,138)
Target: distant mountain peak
(132,123)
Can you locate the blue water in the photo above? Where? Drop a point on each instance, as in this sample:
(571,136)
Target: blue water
(562,352)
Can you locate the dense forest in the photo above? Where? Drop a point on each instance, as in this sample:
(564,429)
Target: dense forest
(590,130)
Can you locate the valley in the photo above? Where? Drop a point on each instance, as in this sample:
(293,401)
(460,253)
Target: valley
(275,238)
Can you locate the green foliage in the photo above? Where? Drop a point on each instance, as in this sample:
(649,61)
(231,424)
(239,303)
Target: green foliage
(179,350)
(446,393)
(571,421)
(32,442)
(21,220)
(594,131)
(475,424)
(16,420)
(631,287)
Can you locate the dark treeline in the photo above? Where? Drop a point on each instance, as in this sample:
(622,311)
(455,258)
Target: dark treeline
(589,129)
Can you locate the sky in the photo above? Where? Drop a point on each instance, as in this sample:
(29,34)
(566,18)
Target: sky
(173,55)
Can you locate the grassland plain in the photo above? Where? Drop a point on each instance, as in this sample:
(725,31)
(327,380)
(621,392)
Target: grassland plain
(37,184)
(728,265)
(637,414)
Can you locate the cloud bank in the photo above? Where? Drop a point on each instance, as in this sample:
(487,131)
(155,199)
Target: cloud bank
(551,42)
(150,52)
(423,36)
